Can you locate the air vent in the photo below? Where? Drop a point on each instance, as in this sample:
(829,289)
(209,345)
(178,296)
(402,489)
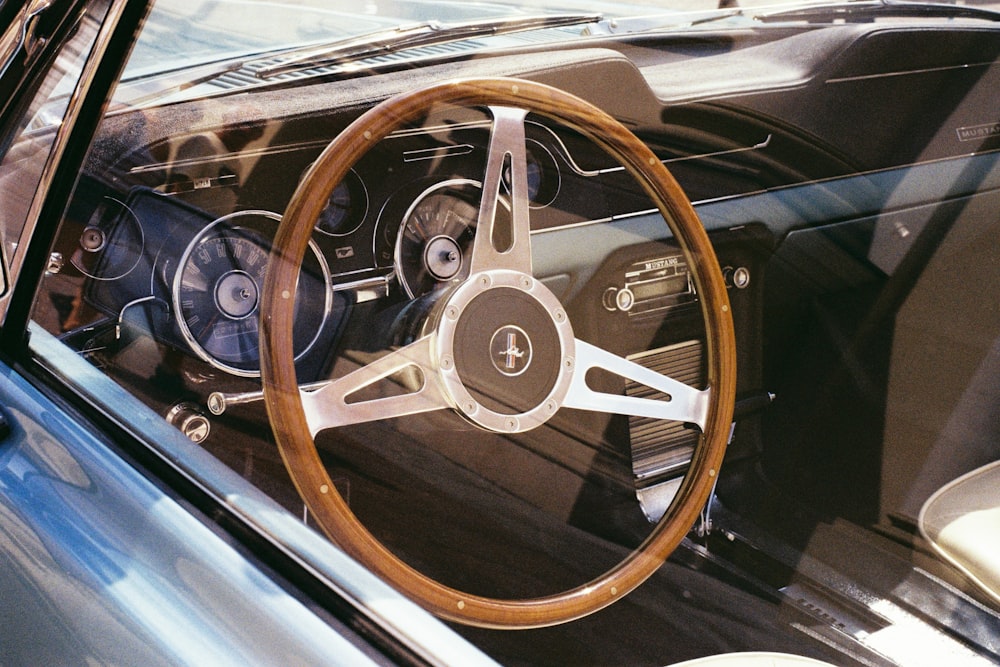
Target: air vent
(246,76)
(662,449)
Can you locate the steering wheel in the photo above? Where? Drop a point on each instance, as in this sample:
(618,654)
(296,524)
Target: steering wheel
(498,348)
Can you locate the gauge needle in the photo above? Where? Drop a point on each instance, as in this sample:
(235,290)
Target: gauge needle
(418,225)
(209,327)
(194,280)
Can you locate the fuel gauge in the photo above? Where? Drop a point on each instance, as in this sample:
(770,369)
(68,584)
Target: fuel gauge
(346,208)
(111,243)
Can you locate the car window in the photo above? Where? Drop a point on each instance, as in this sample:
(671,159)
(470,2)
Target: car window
(166,247)
(31,136)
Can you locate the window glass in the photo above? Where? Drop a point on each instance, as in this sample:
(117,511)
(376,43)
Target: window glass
(30,140)
(165,246)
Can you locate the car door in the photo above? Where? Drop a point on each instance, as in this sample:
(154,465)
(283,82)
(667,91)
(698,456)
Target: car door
(102,560)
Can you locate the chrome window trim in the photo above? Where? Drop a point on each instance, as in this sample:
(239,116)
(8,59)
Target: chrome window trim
(19,35)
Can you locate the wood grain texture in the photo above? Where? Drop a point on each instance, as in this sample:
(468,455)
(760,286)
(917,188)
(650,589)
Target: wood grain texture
(284,405)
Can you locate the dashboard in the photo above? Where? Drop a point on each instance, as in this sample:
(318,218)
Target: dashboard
(159,263)
(166,250)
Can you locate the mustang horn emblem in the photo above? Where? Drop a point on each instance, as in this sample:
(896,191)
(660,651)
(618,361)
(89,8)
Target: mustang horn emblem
(510,350)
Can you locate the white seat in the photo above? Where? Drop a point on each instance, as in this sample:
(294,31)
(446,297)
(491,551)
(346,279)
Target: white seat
(755,659)
(962,522)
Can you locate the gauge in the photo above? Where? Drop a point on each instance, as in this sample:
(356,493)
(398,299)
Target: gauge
(542,175)
(346,208)
(111,243)
(435,239)
(217,286)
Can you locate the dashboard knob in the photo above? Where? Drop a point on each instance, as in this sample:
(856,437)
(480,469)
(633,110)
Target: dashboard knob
(738,277)
(608,299)
(741,277)
(191,421)
(625,299)
(615,299)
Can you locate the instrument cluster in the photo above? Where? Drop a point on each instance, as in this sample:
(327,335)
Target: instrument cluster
(186,253)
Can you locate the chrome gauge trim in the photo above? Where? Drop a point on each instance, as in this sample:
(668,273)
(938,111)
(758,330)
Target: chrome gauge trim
(405,272)
(347,205)
(245,320)
(546,188)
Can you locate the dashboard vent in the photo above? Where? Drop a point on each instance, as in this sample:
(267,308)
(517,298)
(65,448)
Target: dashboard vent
(662,449)
(246,76)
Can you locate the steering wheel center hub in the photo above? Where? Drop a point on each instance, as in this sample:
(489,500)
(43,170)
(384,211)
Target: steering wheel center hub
(506,350)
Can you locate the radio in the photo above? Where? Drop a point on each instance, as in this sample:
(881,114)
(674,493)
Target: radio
(651,285)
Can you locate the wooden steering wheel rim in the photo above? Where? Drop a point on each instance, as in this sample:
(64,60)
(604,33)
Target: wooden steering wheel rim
(284,403)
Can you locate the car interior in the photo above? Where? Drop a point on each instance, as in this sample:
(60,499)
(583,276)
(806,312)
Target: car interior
(846,176)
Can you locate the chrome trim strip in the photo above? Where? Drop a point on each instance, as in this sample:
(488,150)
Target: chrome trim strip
(15,40)
(443,128)
(699,156)
(241,155)
(926,70)
(756,147)
(437,153)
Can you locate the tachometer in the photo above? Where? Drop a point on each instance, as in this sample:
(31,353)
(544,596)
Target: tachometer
(216,292)
(435,238)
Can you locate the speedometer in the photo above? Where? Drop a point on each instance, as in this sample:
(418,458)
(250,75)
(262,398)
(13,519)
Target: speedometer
(216,292)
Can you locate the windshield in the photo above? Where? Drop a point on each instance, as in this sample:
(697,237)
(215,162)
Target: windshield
(220,31)
(228,45)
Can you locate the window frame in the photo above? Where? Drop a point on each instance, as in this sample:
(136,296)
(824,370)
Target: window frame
(84,109)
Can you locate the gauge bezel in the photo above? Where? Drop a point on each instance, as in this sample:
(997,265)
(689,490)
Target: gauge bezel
(356,210)
(549,174)
(439,188)
(219,228)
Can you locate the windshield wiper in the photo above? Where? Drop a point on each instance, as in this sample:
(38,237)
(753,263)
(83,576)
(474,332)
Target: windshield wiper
(429,33)
(867,10)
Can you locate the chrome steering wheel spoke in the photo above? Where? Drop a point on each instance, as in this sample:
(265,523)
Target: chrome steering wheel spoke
(499,243)
(685,404)
(337,402)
